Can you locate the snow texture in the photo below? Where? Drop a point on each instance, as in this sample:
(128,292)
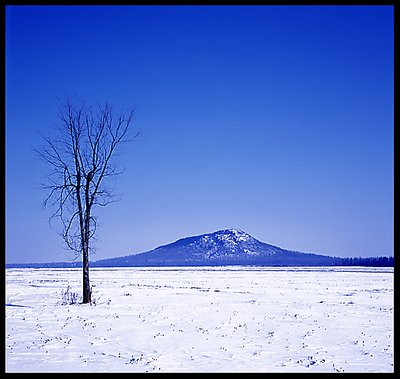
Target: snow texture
(202,319)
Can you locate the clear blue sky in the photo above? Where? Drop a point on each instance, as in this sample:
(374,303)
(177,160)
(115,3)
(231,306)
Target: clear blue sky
(274,120)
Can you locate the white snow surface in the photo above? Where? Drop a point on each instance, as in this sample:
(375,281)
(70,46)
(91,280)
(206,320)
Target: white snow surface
(201,319)
(235,235)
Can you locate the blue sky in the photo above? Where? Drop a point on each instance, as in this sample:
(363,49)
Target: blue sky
(274,120)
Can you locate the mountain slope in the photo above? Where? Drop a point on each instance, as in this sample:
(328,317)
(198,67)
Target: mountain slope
(224,247)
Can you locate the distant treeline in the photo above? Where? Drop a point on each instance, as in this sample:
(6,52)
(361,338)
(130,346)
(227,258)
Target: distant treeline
(371,261)
(286,259)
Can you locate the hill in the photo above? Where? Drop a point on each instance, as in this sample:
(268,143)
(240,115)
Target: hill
(224,247)
(221,248)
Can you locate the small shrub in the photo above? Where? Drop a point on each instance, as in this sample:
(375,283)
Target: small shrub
(69,297)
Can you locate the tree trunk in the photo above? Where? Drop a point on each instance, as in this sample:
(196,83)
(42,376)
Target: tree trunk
(87,296)
(87,293)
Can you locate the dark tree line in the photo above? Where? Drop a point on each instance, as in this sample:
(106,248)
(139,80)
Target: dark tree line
(370,261)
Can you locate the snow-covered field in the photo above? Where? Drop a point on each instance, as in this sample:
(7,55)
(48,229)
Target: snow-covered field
(203,319)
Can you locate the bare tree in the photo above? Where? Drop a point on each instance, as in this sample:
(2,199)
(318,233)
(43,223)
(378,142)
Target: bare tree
(81,163)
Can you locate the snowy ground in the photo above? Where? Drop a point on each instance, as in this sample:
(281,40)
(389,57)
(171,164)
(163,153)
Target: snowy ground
(232,319)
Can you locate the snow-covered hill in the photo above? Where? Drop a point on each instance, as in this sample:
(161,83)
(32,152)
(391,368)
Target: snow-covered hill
(224,247)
